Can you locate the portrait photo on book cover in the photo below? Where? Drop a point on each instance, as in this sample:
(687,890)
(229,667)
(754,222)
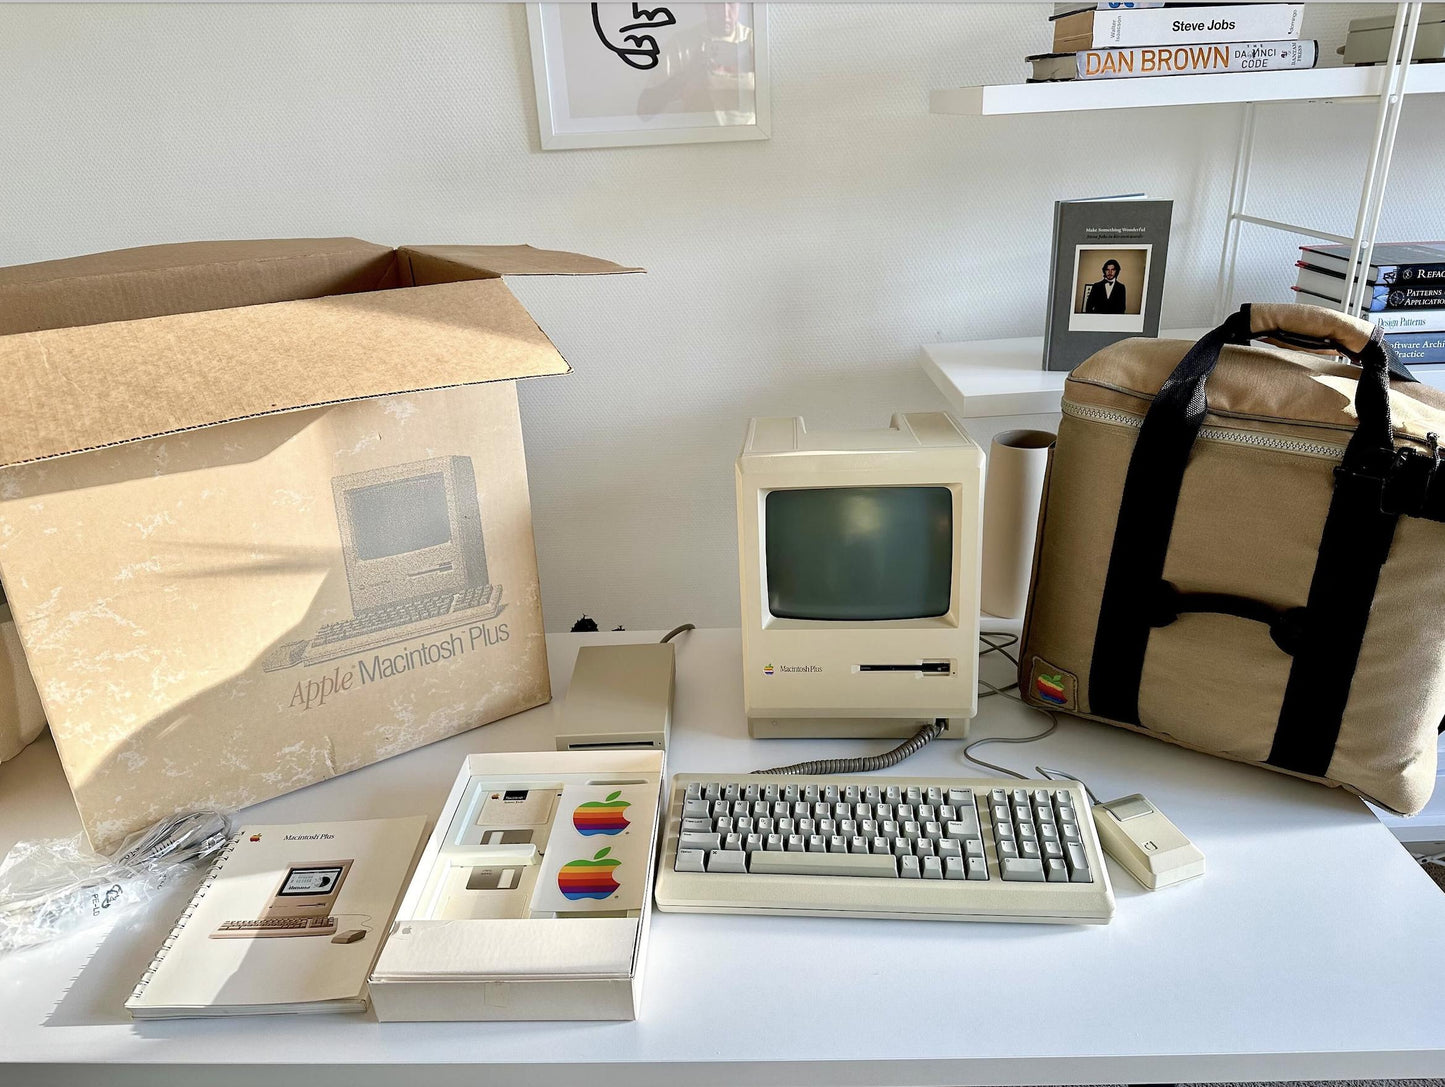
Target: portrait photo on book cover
(1111,283)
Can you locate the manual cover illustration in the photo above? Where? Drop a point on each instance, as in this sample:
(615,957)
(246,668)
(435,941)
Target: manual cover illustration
(416,560)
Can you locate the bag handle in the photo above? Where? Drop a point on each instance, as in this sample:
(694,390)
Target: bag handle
(1161,454)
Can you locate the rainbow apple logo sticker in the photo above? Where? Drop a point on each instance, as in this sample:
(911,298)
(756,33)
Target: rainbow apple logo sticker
(588,879)
(602,816)
(255,837)
(1051,688)
(767,669)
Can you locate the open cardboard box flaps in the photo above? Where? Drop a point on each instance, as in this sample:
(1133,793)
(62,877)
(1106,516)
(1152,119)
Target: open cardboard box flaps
(215,332)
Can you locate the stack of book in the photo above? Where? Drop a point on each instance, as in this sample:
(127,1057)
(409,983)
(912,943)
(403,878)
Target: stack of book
(1405,295)
(1119,40)
(1369,39)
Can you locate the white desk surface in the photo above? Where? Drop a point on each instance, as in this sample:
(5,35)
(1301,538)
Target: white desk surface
(1312,948)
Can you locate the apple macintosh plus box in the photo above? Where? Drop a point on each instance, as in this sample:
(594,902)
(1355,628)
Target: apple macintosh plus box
(263,510)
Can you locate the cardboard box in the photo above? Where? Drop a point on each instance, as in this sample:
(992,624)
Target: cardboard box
(21,718)
(533,897)
(263,510)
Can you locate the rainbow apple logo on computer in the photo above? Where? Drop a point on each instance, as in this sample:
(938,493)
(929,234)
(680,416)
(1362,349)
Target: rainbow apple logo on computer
(588,879)
(602,816)
(767,669)
(1051,688)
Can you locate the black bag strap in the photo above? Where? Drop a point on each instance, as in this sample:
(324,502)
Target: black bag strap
(1355,542)
(1156,472)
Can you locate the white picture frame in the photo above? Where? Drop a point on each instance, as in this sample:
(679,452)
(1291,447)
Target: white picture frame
(606,61)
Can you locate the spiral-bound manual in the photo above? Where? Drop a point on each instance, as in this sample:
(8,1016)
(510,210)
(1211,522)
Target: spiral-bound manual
(289,919)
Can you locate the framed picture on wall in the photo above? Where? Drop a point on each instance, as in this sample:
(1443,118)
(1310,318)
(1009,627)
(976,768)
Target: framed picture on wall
(620,75)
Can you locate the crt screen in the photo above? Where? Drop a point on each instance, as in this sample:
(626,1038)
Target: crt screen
(310,881)
(859,553)
(395,518)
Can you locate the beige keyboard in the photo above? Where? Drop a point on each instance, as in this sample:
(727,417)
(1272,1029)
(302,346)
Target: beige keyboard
(277,926)
(961,849)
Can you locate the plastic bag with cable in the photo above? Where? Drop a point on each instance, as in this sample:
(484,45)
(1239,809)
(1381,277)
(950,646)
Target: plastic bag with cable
(51,887)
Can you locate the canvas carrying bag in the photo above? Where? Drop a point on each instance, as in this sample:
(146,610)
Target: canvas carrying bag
(1241,550)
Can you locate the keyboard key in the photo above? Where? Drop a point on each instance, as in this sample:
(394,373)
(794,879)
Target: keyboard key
(817,843)
(1078,864)
(824,864)
(922,847)
(959,797)
(696,809)
(773,843)
(697,826)
(963,829)
(947,847)
(732,842)
(953,868)
(727,860)
(977,868)
(689,860)
(699,841)
(1055,872)
(879,845)
(857,844)
(837,844)
(932,869)
(694,791)
(908,867)
(1021,869)
(795,843)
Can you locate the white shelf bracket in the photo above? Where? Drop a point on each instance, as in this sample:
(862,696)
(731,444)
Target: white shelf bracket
(1391,99)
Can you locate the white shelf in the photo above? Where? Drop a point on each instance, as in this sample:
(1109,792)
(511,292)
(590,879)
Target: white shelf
(1315,84)
(981,378)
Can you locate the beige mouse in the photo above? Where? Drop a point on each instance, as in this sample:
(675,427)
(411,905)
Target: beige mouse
(348,936)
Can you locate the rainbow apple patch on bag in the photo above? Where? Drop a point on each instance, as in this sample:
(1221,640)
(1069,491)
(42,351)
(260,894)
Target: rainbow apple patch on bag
(1051,687)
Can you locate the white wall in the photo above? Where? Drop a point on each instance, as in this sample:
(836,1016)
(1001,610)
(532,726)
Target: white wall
(794,276)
